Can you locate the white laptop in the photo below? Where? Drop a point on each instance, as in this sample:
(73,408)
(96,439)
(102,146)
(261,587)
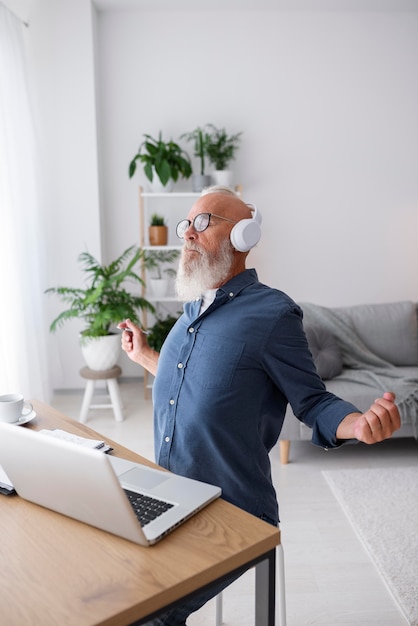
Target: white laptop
(90,485)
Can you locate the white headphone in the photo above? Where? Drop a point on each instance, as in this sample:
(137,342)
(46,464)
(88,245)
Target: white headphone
(246,233)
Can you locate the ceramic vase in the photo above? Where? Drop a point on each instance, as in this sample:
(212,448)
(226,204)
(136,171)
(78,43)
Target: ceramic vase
(101,353)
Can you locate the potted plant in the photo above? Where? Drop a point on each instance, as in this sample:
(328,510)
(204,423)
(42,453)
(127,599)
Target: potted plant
(157,231)
(200,138)
(165,161)
(103,302)
(220,149)
(159,276)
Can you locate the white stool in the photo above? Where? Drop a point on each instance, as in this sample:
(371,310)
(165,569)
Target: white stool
(110,377)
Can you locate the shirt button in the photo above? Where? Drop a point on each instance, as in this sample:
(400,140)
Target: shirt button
(191,330)
(231,294)
(171,402)
(167,439)
(180,366)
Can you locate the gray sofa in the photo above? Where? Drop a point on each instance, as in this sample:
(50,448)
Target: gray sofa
(360,351)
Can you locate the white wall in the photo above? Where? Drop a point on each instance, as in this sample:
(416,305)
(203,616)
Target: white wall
(327,102)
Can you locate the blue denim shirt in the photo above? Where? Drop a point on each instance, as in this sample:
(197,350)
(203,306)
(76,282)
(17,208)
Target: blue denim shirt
(223,382)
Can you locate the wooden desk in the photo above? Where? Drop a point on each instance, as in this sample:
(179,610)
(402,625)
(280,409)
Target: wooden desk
(56,571)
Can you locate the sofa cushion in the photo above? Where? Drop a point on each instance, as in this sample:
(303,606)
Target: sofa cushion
(325,351)
(389,330)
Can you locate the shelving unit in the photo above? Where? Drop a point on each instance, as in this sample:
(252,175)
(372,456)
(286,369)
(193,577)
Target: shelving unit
(167,204)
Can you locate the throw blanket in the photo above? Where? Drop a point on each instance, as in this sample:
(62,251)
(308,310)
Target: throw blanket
(364,366)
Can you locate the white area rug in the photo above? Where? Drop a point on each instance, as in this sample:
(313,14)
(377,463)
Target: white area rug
(382,506)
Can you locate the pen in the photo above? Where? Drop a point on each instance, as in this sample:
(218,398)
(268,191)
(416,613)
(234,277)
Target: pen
(128,330)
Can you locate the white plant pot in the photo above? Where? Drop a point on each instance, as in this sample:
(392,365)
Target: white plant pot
(159,286)
(222,177)
(156,185)
(101,353)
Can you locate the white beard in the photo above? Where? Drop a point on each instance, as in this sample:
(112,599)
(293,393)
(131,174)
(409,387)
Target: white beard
(203,272)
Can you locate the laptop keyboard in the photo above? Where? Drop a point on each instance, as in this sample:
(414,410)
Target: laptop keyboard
(146,508)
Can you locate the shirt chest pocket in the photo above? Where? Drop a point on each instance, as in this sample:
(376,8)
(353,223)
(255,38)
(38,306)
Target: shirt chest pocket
(213,362)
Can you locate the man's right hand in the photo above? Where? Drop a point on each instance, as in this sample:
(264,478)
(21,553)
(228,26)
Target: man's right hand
(135,345)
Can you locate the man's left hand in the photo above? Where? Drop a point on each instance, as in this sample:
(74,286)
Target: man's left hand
(376,424)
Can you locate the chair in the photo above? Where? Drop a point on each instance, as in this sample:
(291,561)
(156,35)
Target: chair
(281,593)
(110,376)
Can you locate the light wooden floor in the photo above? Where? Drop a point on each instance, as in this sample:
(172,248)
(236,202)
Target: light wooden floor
(330,579)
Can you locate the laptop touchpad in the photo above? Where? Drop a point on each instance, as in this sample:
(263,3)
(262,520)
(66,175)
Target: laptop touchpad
(139,478)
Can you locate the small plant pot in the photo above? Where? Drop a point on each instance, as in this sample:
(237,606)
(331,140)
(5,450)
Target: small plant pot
(158,235)
(199,182)
(222,177)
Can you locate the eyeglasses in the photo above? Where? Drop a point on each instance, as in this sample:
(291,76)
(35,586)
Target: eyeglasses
(200,223)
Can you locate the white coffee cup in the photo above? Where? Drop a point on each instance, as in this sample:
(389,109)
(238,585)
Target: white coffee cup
(13,407)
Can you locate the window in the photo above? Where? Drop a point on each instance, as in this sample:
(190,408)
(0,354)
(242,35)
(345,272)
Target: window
(23,330)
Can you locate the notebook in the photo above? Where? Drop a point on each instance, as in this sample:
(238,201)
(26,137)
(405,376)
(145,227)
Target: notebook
(92,487)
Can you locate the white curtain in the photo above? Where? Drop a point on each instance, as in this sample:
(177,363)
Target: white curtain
(23,330)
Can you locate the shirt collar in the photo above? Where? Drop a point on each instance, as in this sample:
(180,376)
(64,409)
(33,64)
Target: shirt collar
(238,283)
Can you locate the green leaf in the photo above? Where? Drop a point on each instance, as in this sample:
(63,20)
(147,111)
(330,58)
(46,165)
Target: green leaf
(148,171)
(163,171)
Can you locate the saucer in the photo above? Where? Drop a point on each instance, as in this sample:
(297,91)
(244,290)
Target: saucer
(24,419)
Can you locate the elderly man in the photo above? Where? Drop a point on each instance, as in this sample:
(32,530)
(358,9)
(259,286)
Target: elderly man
(230,365)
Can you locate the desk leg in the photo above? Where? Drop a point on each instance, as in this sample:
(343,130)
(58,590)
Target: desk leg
(281,596)
(265,591)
